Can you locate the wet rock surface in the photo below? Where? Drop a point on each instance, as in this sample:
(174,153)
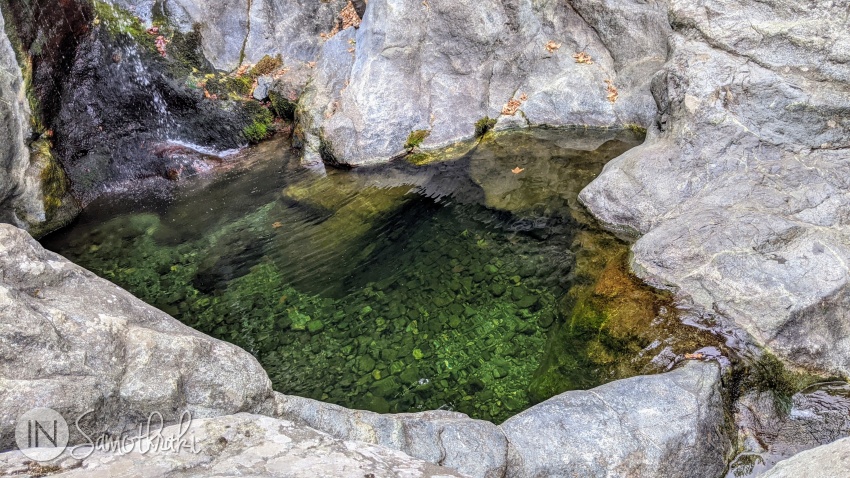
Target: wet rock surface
(33,188)
(120,93)
(739,196)
(772,428)
(821,462)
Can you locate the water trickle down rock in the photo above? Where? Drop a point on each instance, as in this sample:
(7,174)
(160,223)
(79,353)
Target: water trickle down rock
(118,92)
(33,188)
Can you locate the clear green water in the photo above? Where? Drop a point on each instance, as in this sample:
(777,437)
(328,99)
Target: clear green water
(457,284)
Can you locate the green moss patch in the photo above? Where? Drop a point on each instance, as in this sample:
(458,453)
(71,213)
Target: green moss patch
(265,66)
(282,106)
(416,138)
(484,125)
(226,86)
(261,126)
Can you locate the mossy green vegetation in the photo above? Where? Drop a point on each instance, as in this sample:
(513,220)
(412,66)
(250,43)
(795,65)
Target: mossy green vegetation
(261,126)
(768,374)
(416,138)
(483,126)
(282,106)
(265,66)
(226,86)
(118,21)
(54,183)
(256,132)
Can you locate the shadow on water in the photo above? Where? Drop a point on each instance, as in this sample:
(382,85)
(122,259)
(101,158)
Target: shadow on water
(471,280)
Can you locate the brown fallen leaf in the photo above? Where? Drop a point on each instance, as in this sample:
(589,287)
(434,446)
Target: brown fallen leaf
(694,356)
(517,170)
(348,16)
(551,46)
(613,94)
(243,69)
(513,105)
(583,57)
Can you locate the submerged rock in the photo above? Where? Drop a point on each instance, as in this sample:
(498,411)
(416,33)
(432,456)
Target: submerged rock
(76,343)
(740,195)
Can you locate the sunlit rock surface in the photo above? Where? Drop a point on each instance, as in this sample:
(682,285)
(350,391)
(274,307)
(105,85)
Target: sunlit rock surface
(237,445)
(441,66)
(76,343)
(670,425)
(740,194)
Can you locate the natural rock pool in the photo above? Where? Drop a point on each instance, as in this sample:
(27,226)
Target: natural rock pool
(471,280)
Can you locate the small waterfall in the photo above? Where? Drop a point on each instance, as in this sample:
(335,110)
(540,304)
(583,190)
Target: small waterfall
(128,65)
(131,67)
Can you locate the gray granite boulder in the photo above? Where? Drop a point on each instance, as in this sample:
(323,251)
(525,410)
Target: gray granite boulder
(73,342)
(442,65)
(740,193)
(235,445)
(473,447)
(669,425)
(14,127)
(243,31)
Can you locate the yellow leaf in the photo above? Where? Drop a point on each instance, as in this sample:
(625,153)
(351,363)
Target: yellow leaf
(583,57)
